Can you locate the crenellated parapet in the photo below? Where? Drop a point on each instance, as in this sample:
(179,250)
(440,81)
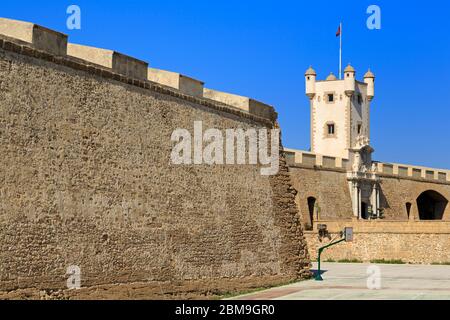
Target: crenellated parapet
(244,103)
(39,42)
(176,80)
(413,172)
(39,37)
(308,159)
(118,62)
(313,160)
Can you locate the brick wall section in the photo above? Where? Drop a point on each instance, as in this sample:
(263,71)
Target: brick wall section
(86,181)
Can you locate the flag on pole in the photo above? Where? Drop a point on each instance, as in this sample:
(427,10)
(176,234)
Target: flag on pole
(339,34)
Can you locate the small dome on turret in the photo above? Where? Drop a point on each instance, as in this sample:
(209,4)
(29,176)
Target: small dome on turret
(369,74)
(331,77)
(310,72)
(349,68)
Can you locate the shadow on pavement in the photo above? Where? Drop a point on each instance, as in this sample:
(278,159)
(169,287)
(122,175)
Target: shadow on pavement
(315,271)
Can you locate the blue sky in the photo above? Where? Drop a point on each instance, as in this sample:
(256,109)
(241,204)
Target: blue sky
(261,49)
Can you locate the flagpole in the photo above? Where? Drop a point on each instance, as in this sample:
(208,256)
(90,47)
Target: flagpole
(340,52)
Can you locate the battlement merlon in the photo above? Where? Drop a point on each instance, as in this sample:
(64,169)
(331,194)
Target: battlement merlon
(39,37)
(244,103)
(42,43)
(176,80)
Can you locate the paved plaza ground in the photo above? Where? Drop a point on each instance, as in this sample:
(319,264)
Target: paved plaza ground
(349,281)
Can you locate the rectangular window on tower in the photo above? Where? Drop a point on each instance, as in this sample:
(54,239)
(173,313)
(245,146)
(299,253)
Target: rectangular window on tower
(330,129)
(330,97)
(359,128)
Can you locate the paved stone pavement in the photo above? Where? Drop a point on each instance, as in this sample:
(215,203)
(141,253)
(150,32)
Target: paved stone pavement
(349,281)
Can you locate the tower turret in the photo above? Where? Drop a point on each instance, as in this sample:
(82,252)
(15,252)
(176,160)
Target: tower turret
(310,81)
(369,79)
(349,79)
(331,77)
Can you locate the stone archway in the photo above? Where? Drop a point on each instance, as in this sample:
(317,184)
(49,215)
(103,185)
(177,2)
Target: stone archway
(431,205)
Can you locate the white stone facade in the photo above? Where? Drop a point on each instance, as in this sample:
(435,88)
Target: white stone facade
(340,127)
(340,112)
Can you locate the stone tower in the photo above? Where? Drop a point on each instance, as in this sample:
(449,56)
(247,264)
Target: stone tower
(340,112)
(340,127)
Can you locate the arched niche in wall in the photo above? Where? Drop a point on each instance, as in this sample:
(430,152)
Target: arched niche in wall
(312,210)
(408,209)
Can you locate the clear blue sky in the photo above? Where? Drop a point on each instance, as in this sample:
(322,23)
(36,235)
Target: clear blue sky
(261,49)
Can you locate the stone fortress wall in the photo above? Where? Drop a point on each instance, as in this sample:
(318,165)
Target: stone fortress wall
(401,235)
(85,138)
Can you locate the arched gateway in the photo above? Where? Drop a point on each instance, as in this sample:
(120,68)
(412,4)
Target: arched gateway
(431,205)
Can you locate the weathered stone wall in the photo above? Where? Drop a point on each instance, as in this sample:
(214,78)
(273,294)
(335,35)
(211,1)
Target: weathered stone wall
(396,237)
(86,181)
(328,187)
(396,192)
(333,201)
(412,242)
